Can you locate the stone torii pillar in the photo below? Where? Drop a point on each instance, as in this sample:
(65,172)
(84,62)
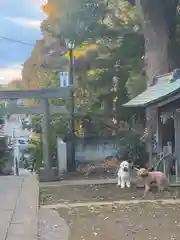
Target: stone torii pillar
(48,174)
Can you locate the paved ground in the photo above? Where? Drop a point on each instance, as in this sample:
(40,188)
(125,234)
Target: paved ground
(52,226)
(15,123)
(127,222)
(18,208)
(103,212)
(24,172)
(98,192)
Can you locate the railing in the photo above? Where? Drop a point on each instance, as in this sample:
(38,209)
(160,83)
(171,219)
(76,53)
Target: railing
(166,163)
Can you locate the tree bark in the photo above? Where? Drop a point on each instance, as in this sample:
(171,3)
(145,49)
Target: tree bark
(161,54)
(159,24)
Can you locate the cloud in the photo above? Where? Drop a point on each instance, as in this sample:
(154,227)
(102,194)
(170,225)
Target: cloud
(20,20)
(22,8)
(25,22)
(10,73)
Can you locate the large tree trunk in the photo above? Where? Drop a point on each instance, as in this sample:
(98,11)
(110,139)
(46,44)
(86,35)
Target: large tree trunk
(159,24)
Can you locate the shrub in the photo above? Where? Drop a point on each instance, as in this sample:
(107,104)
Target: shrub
(35,150)
(132,149)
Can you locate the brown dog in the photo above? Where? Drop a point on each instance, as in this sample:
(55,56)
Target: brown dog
(149,177)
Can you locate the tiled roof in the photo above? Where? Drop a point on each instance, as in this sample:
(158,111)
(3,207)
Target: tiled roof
(158,92)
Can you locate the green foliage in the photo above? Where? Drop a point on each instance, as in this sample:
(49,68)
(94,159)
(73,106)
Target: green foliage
(59,125)
(133,149)
(36,120)
(77,20)
(105,76)
(135,83)
(35,150)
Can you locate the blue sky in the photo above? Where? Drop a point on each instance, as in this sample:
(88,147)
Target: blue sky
(19,20)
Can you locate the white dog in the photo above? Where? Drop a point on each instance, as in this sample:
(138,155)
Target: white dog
(124,175)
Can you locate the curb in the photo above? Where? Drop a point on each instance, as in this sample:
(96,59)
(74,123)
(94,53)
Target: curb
(91,182)
(121,202)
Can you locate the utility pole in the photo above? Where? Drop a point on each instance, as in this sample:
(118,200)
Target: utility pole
(15,161)
(71,162)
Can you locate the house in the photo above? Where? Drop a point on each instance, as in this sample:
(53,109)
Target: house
(161,102)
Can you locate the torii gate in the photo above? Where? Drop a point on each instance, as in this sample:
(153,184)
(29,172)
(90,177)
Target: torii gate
(43,95)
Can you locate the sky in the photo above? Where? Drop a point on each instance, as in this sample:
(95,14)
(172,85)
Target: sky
(19,20)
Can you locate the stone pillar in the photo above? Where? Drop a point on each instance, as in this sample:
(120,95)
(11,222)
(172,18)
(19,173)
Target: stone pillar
(47,174)
(62,156)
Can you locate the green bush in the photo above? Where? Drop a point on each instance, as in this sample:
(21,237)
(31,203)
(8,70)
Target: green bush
(132,149)
(35,150)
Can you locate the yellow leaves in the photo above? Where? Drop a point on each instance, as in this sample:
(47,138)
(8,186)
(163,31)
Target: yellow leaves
(79,53)
(89,47)
(91,73)
(51,9)
(35,137)
(126,12)
(83,50)
(94,72)
(30,102)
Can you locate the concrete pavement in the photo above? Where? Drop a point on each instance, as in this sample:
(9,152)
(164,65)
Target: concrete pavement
(19,198)
(14,123)
(52,226)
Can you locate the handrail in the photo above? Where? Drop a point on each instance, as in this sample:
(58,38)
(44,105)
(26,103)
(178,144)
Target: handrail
(162,157)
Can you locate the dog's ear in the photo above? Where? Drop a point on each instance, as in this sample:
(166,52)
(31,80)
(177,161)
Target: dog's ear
(136,169)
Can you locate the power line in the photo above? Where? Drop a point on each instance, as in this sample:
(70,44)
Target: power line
(16,41)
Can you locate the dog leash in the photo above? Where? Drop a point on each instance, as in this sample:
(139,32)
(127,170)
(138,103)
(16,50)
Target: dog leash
(155,166)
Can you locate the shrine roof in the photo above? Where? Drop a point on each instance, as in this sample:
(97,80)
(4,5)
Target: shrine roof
(164,88)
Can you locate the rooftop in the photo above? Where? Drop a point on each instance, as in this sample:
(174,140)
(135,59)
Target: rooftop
(165,87)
